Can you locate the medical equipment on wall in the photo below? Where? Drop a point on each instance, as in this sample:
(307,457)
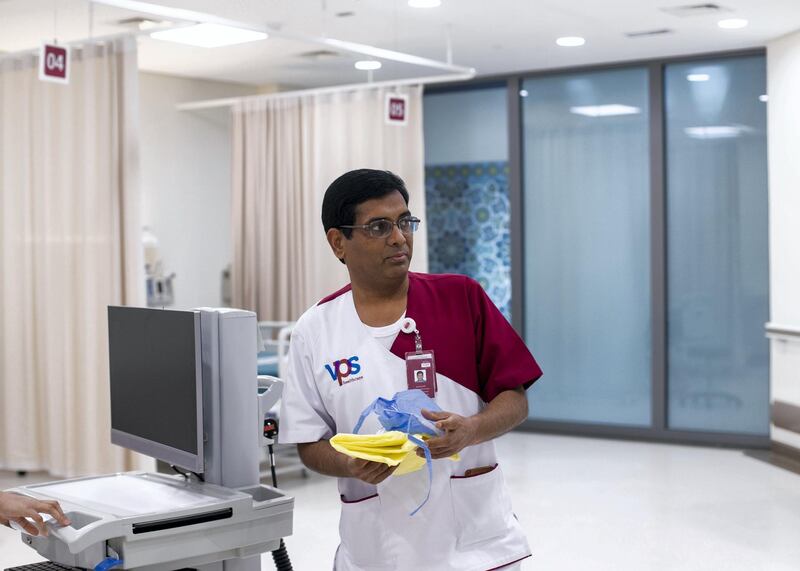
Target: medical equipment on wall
(216,514)
(226,287)
(273,360)
(159,287)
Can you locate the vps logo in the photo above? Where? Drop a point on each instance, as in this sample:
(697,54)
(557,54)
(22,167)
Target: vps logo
(343,368)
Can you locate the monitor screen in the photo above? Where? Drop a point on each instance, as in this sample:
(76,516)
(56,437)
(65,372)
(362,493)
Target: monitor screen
(156,383)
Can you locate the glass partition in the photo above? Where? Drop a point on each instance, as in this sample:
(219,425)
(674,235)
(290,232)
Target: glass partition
(593,201)
(718,290)
(466,188)
(587,245)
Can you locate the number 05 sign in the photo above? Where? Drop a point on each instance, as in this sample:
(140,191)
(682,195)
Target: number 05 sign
(396,109)
(54,63)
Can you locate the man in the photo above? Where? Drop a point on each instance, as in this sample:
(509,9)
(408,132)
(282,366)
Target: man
(348,349)
(19,509)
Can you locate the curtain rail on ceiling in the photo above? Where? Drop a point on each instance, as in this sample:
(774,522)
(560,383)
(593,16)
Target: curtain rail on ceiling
(182,15)
(81,42)
(231,101)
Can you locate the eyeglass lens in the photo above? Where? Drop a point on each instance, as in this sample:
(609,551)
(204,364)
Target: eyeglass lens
(382,228)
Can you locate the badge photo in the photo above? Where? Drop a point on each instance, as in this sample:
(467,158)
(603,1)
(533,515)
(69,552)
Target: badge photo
(421,372)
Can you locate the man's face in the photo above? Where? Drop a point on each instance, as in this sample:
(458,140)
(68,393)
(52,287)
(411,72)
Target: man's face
(378,259)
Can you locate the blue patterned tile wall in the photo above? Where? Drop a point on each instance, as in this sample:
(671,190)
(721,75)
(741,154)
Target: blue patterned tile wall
(468,225)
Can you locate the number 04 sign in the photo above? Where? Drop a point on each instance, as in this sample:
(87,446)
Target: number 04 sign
(54,63)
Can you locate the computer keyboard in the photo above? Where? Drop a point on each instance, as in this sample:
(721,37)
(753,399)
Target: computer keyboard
(43,566)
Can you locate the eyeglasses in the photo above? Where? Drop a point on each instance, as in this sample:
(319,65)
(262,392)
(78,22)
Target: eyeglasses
(383,227)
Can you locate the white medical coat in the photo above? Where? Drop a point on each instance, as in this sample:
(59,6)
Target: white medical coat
(337,368)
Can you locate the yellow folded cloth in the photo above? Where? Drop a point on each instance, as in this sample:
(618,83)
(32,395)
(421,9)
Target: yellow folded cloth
(388,448)
(392,448)
(391,438)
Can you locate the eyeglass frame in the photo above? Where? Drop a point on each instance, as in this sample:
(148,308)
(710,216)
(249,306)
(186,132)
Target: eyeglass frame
(365,227)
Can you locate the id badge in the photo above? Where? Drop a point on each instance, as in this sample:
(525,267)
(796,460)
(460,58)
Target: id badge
(421,372)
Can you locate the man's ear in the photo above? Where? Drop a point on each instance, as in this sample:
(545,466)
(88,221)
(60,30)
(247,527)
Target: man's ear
(336,240)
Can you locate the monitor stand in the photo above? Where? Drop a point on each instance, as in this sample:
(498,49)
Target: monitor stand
(256,516)
(231,424)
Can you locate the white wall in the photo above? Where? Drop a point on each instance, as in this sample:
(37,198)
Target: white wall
(186,180)
(783,72)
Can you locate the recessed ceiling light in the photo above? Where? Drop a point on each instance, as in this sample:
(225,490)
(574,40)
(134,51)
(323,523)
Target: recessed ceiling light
(523,92)
(763,98)
(570,41)
(424,3)
(715,131)
(732,23)
(209,35)
(698,77)
(368,65)
(608,110)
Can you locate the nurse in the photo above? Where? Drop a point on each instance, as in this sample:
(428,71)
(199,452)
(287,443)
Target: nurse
(354,346)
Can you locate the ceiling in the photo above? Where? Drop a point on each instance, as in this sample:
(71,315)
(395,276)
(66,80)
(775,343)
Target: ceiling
(493,37)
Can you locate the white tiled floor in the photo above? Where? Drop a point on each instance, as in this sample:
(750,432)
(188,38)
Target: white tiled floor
(599,505)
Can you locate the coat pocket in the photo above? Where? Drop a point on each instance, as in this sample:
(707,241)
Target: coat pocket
(362,532)
(481,506)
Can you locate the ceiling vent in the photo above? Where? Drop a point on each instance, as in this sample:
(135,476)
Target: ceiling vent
(320,55)
(649,33)
(137,22)
(695,10)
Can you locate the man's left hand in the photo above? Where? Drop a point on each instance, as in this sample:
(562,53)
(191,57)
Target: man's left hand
(459,432)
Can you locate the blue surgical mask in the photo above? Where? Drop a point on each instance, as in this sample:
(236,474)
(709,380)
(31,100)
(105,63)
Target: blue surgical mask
(403,412)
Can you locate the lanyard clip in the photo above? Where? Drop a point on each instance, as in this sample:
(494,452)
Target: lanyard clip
(410,326)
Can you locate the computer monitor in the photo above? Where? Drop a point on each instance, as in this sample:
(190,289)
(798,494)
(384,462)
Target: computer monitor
(156,383)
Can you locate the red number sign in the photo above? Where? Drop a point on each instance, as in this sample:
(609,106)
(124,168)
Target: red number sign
(396,109)
(54,63)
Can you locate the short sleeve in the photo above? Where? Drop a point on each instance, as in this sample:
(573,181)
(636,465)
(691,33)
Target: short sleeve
(504,361)
(303,416)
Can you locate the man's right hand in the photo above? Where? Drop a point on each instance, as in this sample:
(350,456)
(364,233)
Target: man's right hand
(321,457)
(369,472)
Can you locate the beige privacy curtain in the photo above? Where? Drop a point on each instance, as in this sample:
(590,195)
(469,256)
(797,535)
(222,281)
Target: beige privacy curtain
(286,151)
(69,246)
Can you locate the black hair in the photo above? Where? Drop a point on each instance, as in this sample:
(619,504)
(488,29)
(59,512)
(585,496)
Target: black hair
(351,189)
